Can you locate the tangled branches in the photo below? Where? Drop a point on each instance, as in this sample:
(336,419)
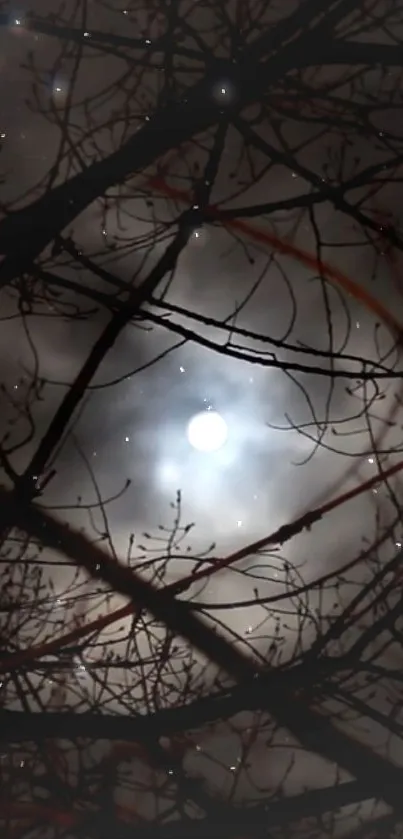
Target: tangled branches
(211,188)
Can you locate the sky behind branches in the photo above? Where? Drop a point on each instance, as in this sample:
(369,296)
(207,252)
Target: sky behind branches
(136,429)
(295,438)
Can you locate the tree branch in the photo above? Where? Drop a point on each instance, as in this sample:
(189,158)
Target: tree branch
(314,731)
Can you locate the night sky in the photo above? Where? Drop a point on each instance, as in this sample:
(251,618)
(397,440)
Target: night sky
(136,428)
(132,424)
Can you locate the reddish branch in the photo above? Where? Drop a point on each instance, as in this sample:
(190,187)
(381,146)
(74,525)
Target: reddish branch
(311,727)
(278,537)
(287,247)
(298,42)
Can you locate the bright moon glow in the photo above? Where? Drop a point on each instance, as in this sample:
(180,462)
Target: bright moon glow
(207,432)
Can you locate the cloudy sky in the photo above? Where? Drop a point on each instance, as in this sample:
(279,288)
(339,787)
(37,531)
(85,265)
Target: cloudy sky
(133,425)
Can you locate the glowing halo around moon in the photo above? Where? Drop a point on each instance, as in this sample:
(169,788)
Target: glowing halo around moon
(207,431)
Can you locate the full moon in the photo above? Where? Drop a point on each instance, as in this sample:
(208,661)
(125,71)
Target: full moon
(207,432)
